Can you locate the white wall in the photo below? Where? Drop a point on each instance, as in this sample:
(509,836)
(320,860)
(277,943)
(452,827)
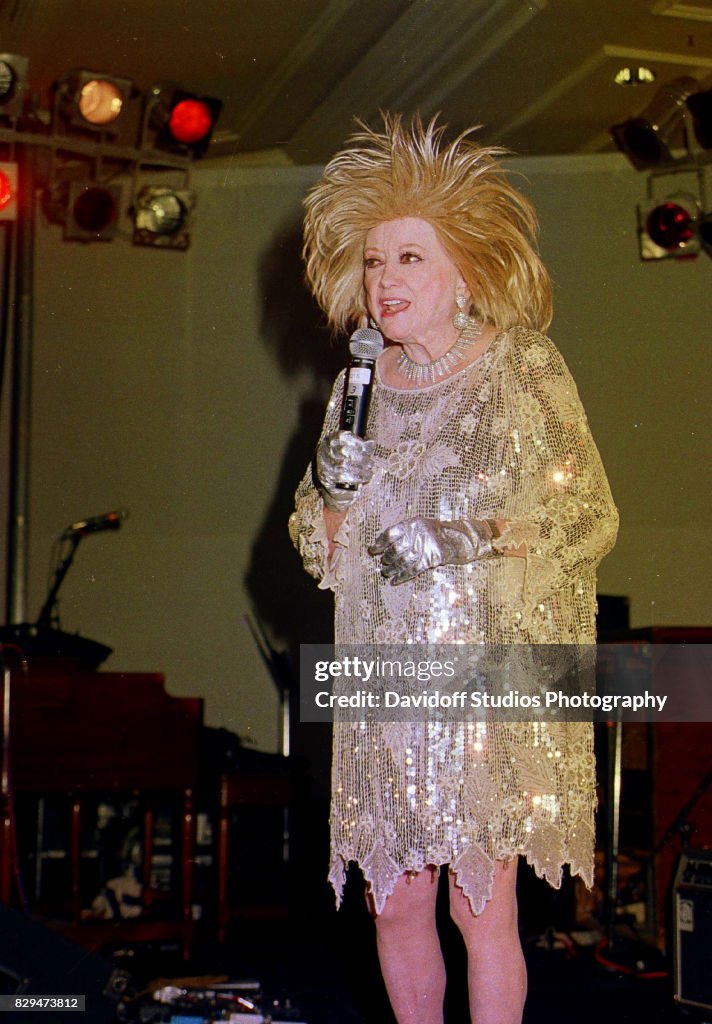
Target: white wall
(188,388)
(637,337)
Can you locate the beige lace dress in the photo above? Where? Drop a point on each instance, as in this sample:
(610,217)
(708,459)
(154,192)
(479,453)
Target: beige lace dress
(505,438)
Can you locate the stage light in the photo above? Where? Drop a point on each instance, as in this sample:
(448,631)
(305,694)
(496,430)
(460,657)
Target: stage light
(100,102)
(92,212)
(162,217)
(190,121)
(95,101)
(669,228)
(183,121)
(8,191)
(646,139)
(636,75)
(700,106)
(13,79)
(704,231)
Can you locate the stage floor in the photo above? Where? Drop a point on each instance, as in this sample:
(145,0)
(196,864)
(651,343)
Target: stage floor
(326,966)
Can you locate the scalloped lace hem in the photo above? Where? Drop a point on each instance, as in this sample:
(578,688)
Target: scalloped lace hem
(473,871)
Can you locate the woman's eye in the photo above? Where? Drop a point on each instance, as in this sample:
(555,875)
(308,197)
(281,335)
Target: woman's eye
(370,262)
(410,257)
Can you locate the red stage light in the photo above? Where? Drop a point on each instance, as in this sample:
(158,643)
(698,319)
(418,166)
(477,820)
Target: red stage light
(183,121)
(8,190)
(670,226)
(190,121)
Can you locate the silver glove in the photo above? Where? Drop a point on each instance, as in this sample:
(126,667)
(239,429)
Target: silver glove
(411,547)
(344,462)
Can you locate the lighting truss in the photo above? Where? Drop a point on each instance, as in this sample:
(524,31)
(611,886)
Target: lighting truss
(81,148)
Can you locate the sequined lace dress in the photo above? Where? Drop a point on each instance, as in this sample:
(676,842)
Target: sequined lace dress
(504,438)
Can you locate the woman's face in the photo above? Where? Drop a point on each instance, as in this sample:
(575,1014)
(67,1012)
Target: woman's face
(411,283)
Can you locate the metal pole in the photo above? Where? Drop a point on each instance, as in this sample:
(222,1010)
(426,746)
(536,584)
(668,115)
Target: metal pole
(615,756)
(21,385)
(6,231)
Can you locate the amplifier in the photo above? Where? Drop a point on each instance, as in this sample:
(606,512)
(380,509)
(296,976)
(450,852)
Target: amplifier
(692,926)
(35,961)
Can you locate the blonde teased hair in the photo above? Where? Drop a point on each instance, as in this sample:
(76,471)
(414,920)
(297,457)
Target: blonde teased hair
(486,226)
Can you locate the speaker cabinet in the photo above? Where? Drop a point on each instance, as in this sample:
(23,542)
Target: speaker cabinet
(692,925)
(36,961)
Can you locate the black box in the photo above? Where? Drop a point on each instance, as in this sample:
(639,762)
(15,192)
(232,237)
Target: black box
(692,929)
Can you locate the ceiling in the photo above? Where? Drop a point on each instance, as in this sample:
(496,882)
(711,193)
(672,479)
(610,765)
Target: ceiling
(293,74)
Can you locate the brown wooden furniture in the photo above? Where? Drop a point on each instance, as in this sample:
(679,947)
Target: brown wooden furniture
(666,762)
(84,733)
(237,792)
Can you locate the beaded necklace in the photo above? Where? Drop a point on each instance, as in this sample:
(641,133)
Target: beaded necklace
(427,373)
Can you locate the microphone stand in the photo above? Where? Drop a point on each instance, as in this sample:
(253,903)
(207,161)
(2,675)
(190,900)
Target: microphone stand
(44,638)
(614,735)
(280,670)
(44,620)
(681,823)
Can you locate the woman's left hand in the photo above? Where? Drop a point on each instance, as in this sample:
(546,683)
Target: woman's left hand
(414,545)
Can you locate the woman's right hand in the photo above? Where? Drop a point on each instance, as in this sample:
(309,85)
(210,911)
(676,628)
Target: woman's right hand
(344,462)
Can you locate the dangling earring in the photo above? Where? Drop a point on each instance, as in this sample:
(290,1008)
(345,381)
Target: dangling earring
(372,324)
(467,325)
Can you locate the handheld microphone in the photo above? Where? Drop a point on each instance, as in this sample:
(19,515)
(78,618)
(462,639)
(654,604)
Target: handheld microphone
(365,347)
(94,524)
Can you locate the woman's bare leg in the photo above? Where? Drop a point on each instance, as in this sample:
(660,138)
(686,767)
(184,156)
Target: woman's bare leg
(409,950)
(497,975)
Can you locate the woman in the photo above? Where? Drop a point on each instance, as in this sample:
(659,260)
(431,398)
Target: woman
(476,512)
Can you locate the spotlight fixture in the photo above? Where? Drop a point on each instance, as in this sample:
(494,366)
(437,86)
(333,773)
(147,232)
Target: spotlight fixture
(637,75)
(704,232)
(92,212)
(162,217)
(8,191)
(183,122)
(669,228)
(93,100)
(646,139)
(13,79)
(700,106)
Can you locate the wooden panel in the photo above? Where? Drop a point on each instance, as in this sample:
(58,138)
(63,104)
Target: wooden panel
(682,758)
(82,732)
(101,730)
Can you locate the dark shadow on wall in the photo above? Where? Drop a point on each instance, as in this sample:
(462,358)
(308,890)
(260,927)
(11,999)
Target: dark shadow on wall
(292,323)
(285,599)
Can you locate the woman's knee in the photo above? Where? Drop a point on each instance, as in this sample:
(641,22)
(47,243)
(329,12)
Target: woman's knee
(499,915)
(412,900)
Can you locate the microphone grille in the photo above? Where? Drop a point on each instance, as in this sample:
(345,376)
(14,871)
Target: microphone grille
(365,343)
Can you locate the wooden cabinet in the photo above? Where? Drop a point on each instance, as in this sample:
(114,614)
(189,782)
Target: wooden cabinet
(81,734)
